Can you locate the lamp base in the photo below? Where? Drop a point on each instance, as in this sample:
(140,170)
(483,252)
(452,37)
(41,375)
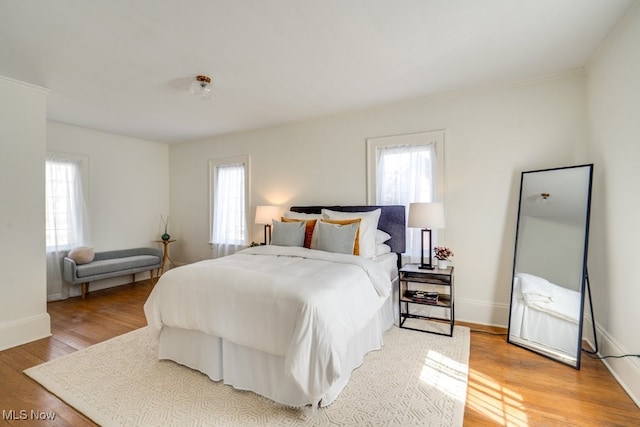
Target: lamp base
(424,266)
(266,242)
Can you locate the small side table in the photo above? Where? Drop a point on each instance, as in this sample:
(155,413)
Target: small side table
(165,254)
(427,288)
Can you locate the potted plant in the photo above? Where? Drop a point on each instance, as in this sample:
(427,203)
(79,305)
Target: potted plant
(442,254)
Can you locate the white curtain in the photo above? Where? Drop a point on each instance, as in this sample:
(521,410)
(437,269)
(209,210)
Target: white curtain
(66,218)
(406,174)
(229,231)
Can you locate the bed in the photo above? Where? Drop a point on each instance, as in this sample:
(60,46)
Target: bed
(289,323)
(545,313)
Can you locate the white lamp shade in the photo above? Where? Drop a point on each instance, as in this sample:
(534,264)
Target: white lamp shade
(426,215)
(265,214)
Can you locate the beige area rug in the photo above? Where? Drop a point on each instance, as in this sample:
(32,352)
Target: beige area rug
(416,379)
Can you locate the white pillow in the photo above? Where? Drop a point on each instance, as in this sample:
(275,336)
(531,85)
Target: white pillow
(368,227)
(382,249)
(288,233)
(306,216)
(81,255)
(535,288)
(337,238)
(300,215)
(382,236)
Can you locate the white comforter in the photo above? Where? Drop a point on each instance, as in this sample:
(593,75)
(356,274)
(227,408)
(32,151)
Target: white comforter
(302,304)
(550,298)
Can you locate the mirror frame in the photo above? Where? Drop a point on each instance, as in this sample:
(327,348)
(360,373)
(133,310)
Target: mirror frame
(532,346)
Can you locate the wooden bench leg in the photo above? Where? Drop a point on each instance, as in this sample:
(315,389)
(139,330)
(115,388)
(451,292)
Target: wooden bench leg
(85,289)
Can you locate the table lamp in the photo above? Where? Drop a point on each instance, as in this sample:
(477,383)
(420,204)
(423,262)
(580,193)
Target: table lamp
(427,216)
(264,215)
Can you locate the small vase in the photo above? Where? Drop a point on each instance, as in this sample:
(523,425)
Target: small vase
(165,237)
(442,264)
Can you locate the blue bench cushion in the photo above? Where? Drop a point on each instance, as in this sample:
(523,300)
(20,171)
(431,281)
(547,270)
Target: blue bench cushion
(107,265)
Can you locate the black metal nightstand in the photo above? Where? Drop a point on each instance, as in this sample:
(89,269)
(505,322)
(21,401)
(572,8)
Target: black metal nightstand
(427,295)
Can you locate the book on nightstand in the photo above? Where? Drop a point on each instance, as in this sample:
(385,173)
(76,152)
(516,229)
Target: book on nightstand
(422,296)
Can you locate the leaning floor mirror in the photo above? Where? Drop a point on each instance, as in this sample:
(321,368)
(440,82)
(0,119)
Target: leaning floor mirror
(549,268)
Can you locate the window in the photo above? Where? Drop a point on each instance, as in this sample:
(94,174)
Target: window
(405,174)
(405,169)
(229,204)
(66,220)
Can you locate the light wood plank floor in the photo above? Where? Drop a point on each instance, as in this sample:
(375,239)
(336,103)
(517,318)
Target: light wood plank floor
(507,385)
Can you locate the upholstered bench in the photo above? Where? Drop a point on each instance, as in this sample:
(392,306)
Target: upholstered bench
(103,265)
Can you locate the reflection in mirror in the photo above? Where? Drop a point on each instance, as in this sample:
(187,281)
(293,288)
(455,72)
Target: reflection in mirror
(549,269)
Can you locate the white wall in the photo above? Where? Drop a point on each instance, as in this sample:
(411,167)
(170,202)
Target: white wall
(491,136)
(23,310)
(560,262)
(614,145)
(128,189)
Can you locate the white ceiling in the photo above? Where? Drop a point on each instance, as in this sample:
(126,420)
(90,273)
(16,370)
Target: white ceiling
(568,190)
(124,66)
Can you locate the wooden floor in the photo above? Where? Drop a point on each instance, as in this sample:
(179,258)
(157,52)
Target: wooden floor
(507,385)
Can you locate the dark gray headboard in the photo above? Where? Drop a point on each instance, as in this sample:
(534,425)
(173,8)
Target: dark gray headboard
(392,220)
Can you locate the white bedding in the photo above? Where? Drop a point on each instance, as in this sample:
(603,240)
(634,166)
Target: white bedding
(545,313)
(301,304)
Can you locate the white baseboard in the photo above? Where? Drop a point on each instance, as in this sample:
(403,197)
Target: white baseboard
(22,331)
(54,297)
(482,312)
(625,370)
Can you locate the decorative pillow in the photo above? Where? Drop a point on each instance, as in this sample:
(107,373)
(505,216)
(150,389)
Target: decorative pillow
(338,238)
(382,249)
(356,245)
(310,226)
(368,227)
(306,217)
(382,236)
(81,255)
(288,233)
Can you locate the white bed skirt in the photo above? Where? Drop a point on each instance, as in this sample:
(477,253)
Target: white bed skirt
(245,368)
(529,325)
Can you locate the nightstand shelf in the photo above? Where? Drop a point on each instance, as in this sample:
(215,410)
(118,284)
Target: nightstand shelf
(426,297)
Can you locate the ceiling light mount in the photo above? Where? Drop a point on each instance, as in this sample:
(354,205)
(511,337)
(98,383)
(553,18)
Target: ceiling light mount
(201,86)
(543,198)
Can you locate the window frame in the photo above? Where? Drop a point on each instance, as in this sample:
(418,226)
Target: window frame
(215,163)
(374,146)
